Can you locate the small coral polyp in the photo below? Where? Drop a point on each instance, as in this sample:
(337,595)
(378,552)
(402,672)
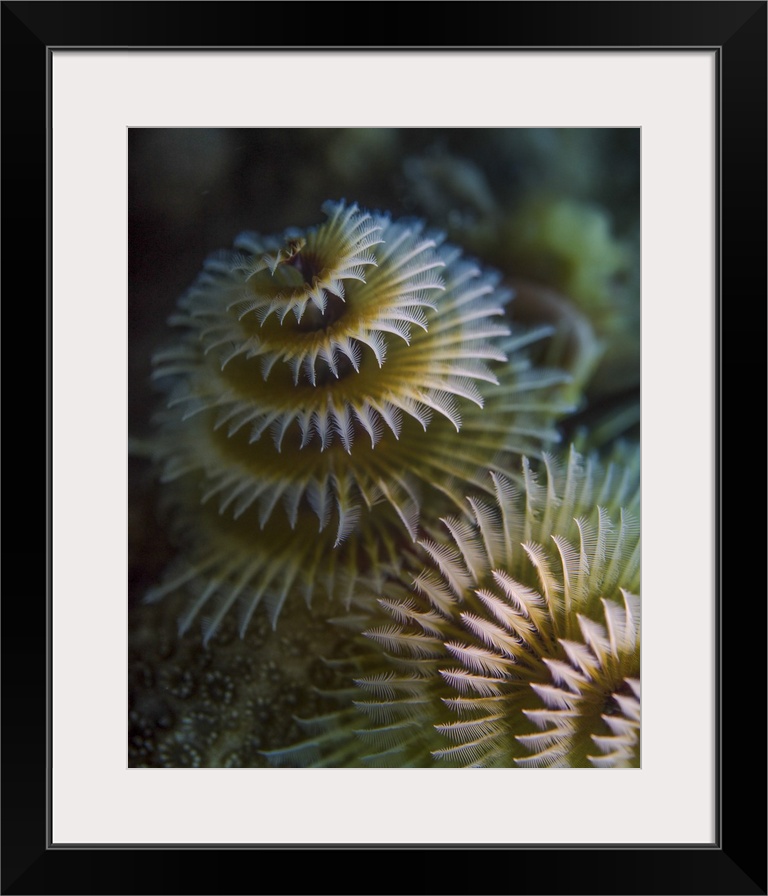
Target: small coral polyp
(325,385)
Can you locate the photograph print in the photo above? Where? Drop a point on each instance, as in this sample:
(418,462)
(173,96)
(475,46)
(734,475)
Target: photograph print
(384,462)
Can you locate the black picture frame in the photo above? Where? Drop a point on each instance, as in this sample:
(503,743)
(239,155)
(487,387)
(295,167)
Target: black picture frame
(736,862)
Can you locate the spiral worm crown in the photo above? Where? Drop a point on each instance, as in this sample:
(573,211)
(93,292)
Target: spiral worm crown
(519,642)
(533,622)
(309,369)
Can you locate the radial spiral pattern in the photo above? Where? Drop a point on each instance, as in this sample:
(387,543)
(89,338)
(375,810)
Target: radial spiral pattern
(519,642)
(327,383)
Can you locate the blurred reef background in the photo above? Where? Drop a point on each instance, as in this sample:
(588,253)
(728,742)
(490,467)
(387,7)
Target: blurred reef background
(556,211)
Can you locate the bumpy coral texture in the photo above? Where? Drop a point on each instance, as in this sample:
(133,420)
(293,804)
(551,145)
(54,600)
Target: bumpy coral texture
(518,643)
(327,383)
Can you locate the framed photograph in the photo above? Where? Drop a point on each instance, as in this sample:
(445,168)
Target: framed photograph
(484,287)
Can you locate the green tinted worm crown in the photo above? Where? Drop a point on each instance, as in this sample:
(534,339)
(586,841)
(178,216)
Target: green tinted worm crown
(518,643)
